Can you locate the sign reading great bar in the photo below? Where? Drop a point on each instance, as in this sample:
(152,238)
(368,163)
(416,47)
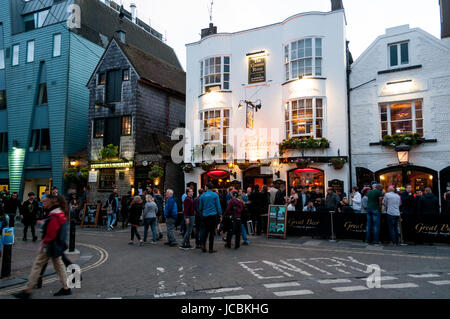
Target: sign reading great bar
(256,69)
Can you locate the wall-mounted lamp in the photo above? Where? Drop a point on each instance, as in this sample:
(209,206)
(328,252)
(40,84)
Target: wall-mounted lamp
(73,163)
(254,105)
(403,153)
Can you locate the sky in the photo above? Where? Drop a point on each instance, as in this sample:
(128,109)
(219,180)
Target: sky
(180,21)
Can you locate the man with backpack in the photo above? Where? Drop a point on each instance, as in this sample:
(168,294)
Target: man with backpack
(233,214)
(159,200)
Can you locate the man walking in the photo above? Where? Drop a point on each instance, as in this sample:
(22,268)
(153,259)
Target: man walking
(28,215)
(375,199)
(198,221)
(392,203)
(10,207)
(189,216)
(210,208)
(170,214)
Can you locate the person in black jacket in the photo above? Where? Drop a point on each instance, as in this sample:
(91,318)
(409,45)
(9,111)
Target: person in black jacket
(126,200)
(280,197)
(28,215)
(428,203)
(10,207)
(408,201)
(136,208)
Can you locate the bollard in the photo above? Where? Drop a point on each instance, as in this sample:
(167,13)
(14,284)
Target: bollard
(7,241)
(73,226)
(333,237)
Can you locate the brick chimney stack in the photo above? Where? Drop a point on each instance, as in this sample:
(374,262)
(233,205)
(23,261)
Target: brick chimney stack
(336,5)
(445,18)
(208,31)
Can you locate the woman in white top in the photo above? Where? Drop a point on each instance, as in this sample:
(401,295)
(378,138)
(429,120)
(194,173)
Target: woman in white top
(356,200)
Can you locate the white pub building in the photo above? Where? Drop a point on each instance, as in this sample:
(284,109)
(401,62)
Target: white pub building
(251,91)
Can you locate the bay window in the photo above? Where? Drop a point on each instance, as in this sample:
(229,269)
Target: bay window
(401,118)
(304,118)
(215,125)
(303,58)
(215,74)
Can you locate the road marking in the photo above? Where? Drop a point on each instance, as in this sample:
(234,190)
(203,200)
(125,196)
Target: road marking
(114,298)
(235,297)
(168,295)
(350,288)
(281,285)
(400,286)
(334,281)
(383,278)
(293,293)
(440,282)
(218,291)
(312,266)
(424,276)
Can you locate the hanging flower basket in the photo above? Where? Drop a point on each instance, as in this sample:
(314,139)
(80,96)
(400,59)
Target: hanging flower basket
(208,166)
(338,163)
(302,163)
(156,171)
(187,168)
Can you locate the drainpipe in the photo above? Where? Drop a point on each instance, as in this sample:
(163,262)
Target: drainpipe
(349,121)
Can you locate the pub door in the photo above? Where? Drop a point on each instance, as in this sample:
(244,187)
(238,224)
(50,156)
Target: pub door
(253,176)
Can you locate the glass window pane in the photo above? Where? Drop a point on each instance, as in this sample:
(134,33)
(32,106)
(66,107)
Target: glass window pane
(57,45)
(15,60)
(226,68)
(401,112)
(401,127)
(318,47)
(319,108)
(308,66)
(301,48)
(294,69)
(226,60)
(393,54)
(301,67)
(2,59)
(318,66)
(308,47)
(404,48)
(30,51)
(45,140)
(41,18)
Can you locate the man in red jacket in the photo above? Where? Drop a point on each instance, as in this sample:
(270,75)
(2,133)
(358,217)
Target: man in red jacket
(52,246)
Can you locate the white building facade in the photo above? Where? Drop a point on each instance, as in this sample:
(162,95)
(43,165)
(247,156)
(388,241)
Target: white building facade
(401,85)
(294,73)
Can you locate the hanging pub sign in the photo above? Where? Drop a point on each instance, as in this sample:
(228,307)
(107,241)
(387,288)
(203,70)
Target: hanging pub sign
(277,220)
(256,69)
(250,117)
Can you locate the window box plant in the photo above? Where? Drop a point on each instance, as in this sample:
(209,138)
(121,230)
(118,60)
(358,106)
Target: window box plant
(303,144)
(109,152)
(208,166)
(399,139)
(156,171)
(302,163)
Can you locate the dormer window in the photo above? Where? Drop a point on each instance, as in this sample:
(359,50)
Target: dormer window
(398,54)
(35,20)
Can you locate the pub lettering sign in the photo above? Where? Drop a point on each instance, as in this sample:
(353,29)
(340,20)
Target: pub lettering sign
(256,70)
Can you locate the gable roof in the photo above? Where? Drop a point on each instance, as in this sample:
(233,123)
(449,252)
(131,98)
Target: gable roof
(150,69)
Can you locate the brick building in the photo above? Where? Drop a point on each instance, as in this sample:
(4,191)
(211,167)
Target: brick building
(136,101)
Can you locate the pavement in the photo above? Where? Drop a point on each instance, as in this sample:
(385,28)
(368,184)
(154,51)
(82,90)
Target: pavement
(296,268)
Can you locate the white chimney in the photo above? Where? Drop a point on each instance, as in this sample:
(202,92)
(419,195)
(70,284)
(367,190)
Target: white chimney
(133,12)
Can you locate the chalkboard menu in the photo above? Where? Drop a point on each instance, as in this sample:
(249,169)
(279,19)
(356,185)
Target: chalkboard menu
(277,221)
(256,70)
(90,215)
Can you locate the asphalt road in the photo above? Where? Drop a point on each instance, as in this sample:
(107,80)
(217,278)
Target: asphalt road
(267,269)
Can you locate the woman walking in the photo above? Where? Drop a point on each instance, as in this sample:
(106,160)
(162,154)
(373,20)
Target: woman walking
(52,247)
(149,216)
(133,218)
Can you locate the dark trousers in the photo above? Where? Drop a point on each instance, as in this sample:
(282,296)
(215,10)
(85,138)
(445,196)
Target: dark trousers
(198,230)
(236,232)
(134,231)
(12,218)
(25,231)
(210,223)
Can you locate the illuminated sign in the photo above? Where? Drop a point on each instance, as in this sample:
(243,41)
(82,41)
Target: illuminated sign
(256,69)
(112,165)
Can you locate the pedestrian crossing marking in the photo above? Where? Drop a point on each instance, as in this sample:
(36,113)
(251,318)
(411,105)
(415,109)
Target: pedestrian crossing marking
(293,293)
(281,285)
(350,288)
(424,276)
(400,286)
(235,297)
(334,281)
(222,290)
(440,282)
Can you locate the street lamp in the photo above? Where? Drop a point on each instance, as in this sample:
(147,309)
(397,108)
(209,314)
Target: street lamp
(254,105)
(403,153)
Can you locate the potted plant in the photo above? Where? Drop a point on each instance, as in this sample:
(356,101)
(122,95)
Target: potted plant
(302,162)
(156,171)
(208,166)
(109,152)
(187,168)
(399,139)
(302,144)
(338,163)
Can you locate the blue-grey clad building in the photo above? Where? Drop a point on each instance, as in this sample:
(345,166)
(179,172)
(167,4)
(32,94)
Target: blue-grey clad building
(48,51)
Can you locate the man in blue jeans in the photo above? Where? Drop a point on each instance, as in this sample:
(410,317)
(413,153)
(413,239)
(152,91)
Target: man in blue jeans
(374,214)
(210,208)
(170,214)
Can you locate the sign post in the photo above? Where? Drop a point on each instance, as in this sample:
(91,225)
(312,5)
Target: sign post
(7,242)
(277,220)
(333,236)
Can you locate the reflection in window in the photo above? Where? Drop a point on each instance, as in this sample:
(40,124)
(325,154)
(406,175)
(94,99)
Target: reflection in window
(304,118)
(126,125)
(215,125)
(401,118)
(42,96)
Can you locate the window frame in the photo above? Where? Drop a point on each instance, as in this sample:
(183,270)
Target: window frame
(107,187)
(414,118)
(223,133)
(94,133)
(99,79)
(206,88)
(4,147)
(399,55)
(2,59)
(33,142)
(40,98)
(13,55)
(28,51)
(288,131)
(4,104)
(288,60)
(128,75)
(122,125)
(58,54)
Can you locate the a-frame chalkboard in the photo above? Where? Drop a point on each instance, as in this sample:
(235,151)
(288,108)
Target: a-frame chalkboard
(277,221)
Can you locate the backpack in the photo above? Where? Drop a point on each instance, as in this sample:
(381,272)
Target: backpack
(109,208)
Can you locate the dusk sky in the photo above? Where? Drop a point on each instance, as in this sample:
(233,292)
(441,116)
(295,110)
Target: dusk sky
(182,20)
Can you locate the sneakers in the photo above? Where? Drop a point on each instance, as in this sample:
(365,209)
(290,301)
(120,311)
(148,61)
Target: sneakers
(63,292)
(34,239)
(153,243)
(141,243)
(245,244)
(131,243)
(184,247)
(22,295)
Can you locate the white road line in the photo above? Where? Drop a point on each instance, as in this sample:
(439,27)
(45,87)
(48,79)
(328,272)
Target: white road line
(281,285)
(293,293)
(115,298)
(383,278)
(168,295)
(350,288)
(400,286)
(424,276)
(440,282)
(218,291)
(334,281)
(300,260)
(235,297)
